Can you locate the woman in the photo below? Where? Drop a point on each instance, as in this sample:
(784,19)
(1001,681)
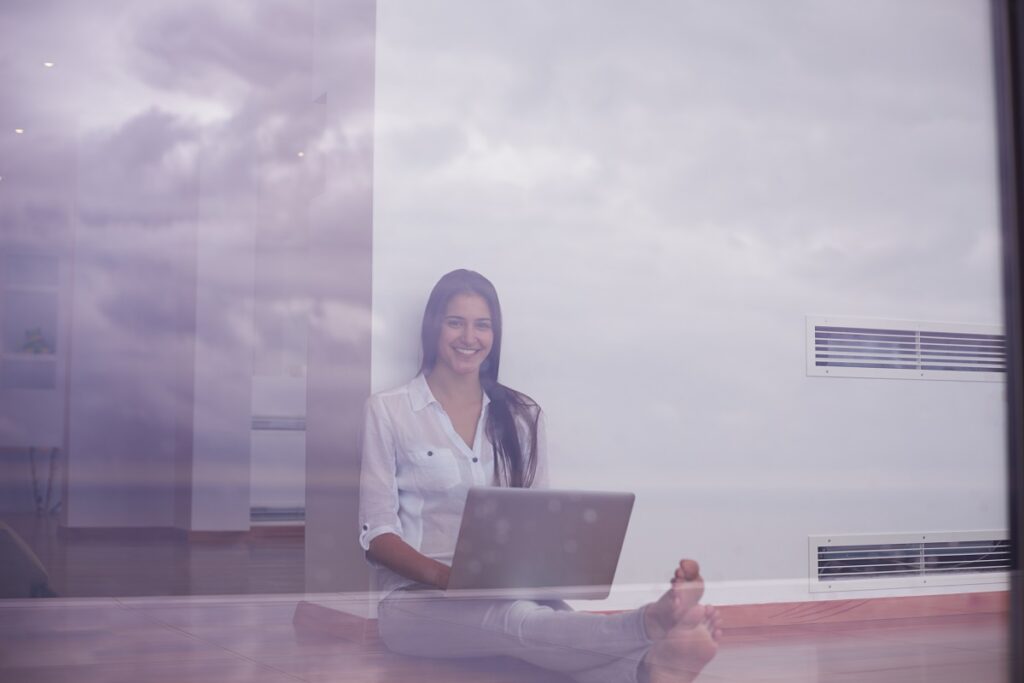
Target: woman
(455,426)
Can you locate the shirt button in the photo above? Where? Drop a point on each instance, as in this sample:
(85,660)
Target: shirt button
(475,459)
(366,528)
(430,452)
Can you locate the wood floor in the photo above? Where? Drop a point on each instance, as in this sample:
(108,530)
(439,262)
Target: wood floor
(254,638)
(192,640)
(125,562)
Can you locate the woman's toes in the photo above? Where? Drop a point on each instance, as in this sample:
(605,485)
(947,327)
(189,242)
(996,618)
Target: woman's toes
(693,616)
(690,569)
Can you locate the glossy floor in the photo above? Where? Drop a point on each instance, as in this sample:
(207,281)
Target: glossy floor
(126,562)
(188,640)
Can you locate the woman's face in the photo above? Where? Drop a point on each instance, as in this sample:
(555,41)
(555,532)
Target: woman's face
(466,334)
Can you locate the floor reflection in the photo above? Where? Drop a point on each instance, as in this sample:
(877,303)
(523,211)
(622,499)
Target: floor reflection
(255,639)
(146,562)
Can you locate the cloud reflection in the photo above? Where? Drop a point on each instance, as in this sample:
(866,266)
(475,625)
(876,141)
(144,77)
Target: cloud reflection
(160,164)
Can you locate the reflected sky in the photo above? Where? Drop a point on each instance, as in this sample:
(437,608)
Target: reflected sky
(661,191)
(168,158)
(661,194)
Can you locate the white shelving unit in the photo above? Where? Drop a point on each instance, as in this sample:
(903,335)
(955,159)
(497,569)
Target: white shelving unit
(29,321)
(33,349)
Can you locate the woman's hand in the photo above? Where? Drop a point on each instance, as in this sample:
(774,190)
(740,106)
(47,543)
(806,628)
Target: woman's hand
(400,557)
(443,572)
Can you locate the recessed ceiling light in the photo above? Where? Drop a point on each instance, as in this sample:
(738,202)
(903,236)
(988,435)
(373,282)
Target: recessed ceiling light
(19,131)
(49,65)
(302,154)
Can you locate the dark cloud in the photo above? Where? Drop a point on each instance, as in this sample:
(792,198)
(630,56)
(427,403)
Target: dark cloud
(144,173)
(203,46)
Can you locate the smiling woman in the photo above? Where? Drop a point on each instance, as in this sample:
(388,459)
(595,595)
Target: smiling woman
(461,338)
(455,426)
(466,335)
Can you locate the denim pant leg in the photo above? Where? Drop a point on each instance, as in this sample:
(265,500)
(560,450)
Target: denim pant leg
(592,648)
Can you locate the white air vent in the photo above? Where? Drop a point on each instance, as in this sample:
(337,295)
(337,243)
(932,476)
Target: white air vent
(875,561)
(901,349)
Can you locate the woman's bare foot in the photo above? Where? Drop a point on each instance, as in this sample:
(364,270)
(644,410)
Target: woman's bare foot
(681,654)
(713,622)
(687,588)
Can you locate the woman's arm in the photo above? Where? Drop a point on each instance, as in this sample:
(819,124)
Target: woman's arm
(401,558)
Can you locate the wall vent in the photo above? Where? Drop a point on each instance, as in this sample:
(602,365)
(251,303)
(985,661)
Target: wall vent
(875,561)
(278,423)
(902,349)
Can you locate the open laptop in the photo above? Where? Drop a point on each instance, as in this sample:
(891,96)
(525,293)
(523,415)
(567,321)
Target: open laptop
(539,544)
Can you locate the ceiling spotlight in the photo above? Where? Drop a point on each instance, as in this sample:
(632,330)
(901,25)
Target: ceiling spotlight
(19,131)
(302,154)
(49,65)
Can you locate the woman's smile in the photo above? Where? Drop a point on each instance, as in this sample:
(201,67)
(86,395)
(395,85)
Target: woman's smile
(466,334)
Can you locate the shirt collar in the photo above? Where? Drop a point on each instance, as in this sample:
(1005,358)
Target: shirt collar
(421,396)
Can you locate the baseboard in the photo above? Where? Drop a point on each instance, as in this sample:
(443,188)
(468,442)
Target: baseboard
(120,533)
(838,611)
(176,534)
(345,622)
(278,530)
(203,536)
(254,532)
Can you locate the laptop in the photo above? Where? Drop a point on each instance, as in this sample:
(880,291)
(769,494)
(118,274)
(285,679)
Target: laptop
(539,544)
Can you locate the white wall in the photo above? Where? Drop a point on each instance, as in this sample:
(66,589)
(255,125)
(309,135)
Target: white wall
(661,192)
(225,339)
(278,457)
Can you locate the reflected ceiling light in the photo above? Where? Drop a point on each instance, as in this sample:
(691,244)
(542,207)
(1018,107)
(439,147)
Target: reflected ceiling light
(19,131)
(49,65)
(302,154)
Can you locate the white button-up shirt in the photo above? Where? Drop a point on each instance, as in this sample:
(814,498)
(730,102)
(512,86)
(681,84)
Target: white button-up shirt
(417,471)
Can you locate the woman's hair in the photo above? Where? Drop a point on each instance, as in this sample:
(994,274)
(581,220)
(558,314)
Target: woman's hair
(514,465)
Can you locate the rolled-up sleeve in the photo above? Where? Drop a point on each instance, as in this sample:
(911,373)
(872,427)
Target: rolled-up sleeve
(378,486)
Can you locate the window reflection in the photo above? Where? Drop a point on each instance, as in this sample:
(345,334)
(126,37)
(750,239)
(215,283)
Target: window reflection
(219,223)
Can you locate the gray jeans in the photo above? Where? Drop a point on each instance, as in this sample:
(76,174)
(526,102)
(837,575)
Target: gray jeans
(592,648)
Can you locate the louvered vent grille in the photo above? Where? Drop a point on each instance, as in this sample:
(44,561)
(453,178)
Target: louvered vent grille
(908,350)
(913,559)
(278,423)
(890,560)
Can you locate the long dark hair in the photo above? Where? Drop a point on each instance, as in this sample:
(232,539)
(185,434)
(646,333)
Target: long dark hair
(514,465)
